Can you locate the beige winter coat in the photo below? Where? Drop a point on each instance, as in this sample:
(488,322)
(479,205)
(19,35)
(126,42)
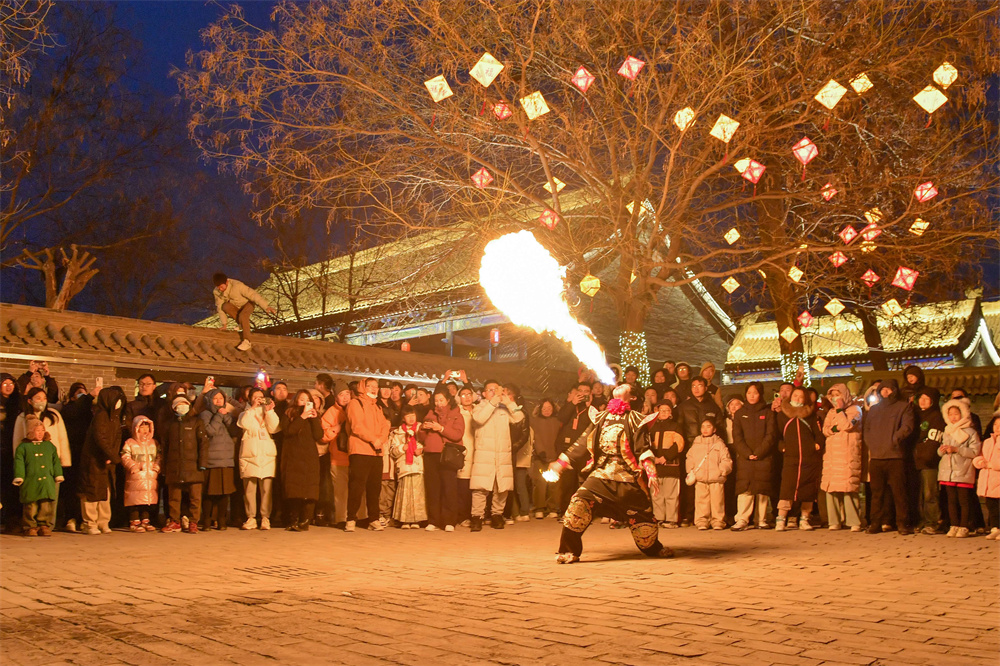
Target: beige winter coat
(842,457)
(492,458)
(716,466)
(469,442)
(258,454)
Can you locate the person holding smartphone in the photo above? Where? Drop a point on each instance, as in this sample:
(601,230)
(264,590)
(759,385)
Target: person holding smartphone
(300,460)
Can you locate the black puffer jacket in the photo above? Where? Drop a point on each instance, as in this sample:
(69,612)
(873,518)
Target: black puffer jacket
(102,444)
(185,450)
(754,434)
(299,455)
(693,411)
(889,425)
(908,391)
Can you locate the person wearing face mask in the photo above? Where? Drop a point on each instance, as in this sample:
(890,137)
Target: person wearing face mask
(800,439)
(38,406)
(185,459)
(842,459)
(98,459)
(368,438)
(10,409)
(466,403)
(77,413)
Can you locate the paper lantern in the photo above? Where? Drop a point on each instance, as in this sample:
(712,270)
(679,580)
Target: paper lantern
(559,185)
(795,273)
(732,236)
(731,284)
(502,110)
(861,83)
(684,118)
(724,128)
(868,246)
(873,215)
(925,191)
(919,227)
(753,171)
(582,79)
(870,278)
(548,219)
(828,191)
(631,68)
(482,178)
(892,307)
(820,364)
(930,99)
(834,307)
(838,259)
(847,234)
(805,319)
(789,334)
(590,284)
(945,74)
(871,232)
(905,277)
(830,94)
(438,88)
(805,150)
(486,69)
(534,105)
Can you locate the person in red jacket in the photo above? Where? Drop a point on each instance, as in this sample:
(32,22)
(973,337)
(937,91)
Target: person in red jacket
(443,426)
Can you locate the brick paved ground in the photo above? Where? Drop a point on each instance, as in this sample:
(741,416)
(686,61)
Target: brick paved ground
(325,597)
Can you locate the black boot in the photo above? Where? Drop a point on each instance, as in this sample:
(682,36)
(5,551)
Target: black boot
(496,522)
(475,524)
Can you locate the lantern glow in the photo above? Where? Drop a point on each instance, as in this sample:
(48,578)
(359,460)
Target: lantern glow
(438,88)
(930,99)
(732,235)
(905,278)
(582,79)
(534,105)
(684,118)
(838,259)
(805,319)
(925,191)
(830,94)
(731,284)
(829,191)
(548,219)
(945,74)
(724,128)
(631,68)
(789,334)
(870,278)
(795,273)
(861,83)
(502,110)
(486,70)
(834,307)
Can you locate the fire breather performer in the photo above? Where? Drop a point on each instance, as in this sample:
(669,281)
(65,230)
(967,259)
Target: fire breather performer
(620,477)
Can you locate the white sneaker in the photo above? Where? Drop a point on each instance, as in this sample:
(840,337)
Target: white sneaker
(994,534)
(962,533)
(605,520)
(185,523)
(250,524)
(349,527)
(952,532)
(856,528)
(523,519)
(449,528)
(265,523)
(539,515)
(431,528)
(245,345)
(553,514)
(71,525)
(106,529)
(465,523)
(383,521)
(376,526)
(804,524)
(404,526)
(509,521)
(834,527)
(780,525)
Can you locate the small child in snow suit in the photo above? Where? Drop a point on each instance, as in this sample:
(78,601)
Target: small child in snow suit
(709,464)
(141,459)
(37,470)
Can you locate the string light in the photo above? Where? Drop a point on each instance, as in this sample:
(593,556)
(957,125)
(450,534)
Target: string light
(790,363)
(632,346)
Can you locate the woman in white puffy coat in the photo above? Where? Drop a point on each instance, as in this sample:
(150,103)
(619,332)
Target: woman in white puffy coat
(258,458)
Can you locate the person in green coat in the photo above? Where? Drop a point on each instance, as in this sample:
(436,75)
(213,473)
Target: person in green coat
(37,471)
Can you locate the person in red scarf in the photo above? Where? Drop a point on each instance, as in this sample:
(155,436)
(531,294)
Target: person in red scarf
(410,507)
(620,474)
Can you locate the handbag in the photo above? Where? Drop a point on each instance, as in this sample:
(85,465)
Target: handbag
(452,456)
(690,478)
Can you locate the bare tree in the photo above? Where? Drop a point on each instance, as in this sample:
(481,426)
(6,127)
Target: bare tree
(331,99)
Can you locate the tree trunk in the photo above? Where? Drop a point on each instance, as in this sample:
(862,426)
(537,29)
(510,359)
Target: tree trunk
(632,339)
(79,271)
(873,338)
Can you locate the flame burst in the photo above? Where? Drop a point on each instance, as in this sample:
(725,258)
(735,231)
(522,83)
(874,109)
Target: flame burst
(526,283)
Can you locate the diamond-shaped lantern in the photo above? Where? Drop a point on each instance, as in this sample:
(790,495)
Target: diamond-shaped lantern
(892,307)
(684,118)
(795,273)
(724,128)
(502,110)
(868,246)
(590,284)
(905,277)
(558,188)
(820,364)
(482,178)
(847,234)
(830,94)
(486,69)
(805,150)
(870,278)
(631,68)
(871,232)
(861,83)
(732,236)
(838,259)
(945,74)
(828,191)
(930,99)
(789,334)
(582,79)
(873,215)
(630,207)
(731,284)
(534,105)
(925,191)
(438,88)
(805,319)
(548,219)
(834,307)
(753,171)
(918,227)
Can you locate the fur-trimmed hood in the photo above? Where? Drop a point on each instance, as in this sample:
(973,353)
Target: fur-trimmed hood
(963,407)
(792,412)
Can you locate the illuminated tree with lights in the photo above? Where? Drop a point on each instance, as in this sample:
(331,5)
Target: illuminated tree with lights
(611,129)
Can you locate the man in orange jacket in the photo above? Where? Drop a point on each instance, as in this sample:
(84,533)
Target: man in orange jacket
(368,431)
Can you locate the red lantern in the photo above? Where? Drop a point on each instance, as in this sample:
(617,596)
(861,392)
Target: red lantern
(829,191)
(502,110)
(631,68)
(405,346)
(582,79)
(494,336)
(905,277)
(838,259)
(871,232)
(925,191)
(482,178)
(754,171)
(548,219)
(804,151)
(847,234)
(870,278)
(805,319)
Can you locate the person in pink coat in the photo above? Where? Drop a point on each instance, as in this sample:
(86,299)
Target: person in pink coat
(988,464)
(141,459)
(841,477)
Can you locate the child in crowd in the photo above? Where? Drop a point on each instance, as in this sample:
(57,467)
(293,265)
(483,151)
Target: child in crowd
(959,446)
(988,464)
(141,460)
(667,445)
(410,506)
(709,464)
(37,471)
